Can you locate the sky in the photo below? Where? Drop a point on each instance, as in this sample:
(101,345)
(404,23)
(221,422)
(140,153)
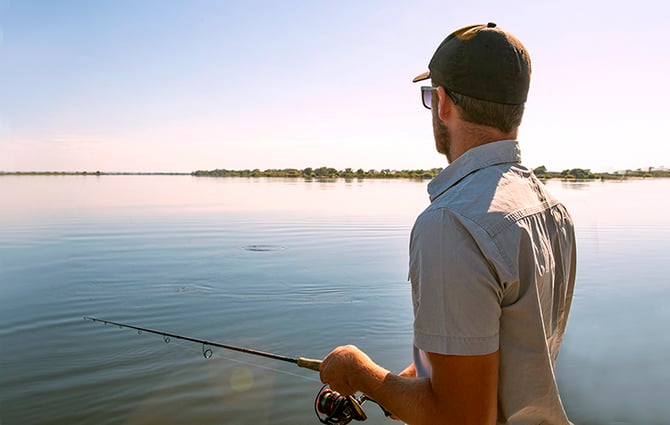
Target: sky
(178,86)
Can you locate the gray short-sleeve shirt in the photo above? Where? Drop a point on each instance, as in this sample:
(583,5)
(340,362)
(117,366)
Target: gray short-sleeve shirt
(492,267)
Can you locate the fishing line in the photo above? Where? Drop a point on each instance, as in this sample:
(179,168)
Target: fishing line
(268,368)
(304,362)
(219,354)
(331,407)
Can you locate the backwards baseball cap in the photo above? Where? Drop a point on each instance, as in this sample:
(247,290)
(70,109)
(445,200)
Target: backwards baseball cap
(483,62)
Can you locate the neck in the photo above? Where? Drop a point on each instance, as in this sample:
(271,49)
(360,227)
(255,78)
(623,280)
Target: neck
(467,136)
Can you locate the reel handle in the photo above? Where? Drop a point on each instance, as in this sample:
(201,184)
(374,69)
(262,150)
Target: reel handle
(358,409)
(311,364)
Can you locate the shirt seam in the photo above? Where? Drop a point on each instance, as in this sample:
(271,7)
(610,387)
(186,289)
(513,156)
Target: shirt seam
(508,221)
(464,338)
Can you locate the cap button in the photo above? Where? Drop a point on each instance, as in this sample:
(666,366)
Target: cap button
(491,25)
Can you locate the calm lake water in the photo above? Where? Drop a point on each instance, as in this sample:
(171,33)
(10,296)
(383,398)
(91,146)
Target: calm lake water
(288,266)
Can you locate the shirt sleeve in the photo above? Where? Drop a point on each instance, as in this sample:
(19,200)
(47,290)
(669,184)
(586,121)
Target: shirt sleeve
(455,291)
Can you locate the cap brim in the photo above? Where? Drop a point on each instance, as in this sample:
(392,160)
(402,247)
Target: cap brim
(421,77)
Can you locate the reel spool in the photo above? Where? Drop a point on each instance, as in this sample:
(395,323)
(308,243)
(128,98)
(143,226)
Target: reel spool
(332,408)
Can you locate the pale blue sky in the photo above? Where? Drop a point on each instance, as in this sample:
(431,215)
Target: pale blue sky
(184,85)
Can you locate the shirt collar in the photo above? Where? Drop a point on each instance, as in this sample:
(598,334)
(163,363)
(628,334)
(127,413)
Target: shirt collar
(486,155)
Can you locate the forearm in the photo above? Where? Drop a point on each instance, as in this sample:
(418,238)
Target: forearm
(412,400)
(461,389)
(409,399)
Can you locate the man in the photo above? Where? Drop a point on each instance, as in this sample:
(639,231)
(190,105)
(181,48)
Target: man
(492,259)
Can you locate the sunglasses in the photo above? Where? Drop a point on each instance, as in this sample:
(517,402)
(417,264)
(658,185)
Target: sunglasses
(427,96)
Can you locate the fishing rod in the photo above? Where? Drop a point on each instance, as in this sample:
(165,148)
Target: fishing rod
(306,363)
(331,407)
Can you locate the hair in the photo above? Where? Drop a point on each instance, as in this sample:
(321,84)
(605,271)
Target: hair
(505,118)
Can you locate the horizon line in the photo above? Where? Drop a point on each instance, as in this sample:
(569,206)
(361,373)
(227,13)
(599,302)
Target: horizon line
(99,172)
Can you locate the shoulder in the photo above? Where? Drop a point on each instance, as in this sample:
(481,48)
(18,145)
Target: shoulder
(440,224)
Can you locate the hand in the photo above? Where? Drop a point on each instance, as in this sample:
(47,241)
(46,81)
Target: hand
(341,368)
(409,372)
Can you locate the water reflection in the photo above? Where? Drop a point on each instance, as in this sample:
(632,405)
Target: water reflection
(288,266)
(611,367)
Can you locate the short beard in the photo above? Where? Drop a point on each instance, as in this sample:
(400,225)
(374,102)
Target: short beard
(442,137)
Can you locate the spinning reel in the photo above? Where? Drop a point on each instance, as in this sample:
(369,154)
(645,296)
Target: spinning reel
(332,408)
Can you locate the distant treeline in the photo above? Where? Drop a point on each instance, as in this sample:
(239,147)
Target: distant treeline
(586,174)
(50,173)
(348,173)
(328,172)
(88,173)
(322,172)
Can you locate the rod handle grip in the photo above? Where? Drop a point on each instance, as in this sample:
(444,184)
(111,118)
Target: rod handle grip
(312,364)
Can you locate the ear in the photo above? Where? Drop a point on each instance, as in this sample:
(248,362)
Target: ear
(444,104)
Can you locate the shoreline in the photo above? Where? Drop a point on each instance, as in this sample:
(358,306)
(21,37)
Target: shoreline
(331,173)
